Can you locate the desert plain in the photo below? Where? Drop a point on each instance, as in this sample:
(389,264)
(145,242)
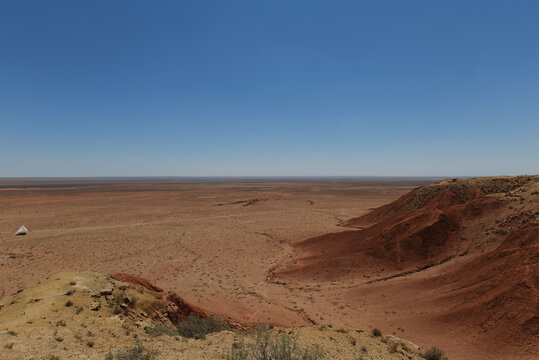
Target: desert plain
(230,246)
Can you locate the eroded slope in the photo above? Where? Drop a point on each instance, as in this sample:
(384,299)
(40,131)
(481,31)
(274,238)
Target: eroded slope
(484,231)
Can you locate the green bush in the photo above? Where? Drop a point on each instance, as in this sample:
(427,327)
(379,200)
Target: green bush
(198,327)
(238,351)
(270,346)
(434,354)
(137,352)
(160,329)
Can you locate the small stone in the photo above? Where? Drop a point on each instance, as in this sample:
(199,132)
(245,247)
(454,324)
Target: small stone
(106,291)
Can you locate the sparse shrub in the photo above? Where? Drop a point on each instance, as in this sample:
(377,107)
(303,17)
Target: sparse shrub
(160,329)
(237,352)
(137,352)
(376,332)
(69,303)
(270,346)
(78,310)
(394,347)
(72,283)
(198,327)
(70,292)
(405,347)
(364,349)
(90,343)
(9,346)
(11,333)
(127,329)
(52,357)
(434,354)
(124,298)
(59,338)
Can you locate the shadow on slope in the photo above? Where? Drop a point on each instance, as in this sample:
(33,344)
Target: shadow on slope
(488,224)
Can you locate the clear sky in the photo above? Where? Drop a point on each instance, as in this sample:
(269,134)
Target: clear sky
(256,88)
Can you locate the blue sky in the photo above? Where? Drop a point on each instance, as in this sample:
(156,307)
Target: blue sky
(258,88)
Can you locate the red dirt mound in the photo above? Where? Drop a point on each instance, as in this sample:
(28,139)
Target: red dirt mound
(486,233)
(460,190)
(400,241)
(170,307)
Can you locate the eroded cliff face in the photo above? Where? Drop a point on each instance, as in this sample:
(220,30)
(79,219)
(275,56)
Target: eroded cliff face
(485,233)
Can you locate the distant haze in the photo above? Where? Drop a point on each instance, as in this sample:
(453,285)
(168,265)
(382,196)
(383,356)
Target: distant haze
(268,88)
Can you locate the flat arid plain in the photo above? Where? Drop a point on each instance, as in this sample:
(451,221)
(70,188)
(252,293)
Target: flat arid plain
(285,251)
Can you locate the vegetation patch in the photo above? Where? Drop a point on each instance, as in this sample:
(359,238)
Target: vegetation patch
(160,329)
(434,354)
(268,345)
(137,352)
(198,327)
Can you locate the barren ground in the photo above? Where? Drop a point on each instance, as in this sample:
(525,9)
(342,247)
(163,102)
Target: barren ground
(215,243)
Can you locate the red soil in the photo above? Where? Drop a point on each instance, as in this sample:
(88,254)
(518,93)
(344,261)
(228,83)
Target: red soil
(484,231)
(497,294)
(400,240)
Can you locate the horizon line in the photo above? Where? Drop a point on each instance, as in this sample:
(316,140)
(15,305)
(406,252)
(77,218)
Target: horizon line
(249,176)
